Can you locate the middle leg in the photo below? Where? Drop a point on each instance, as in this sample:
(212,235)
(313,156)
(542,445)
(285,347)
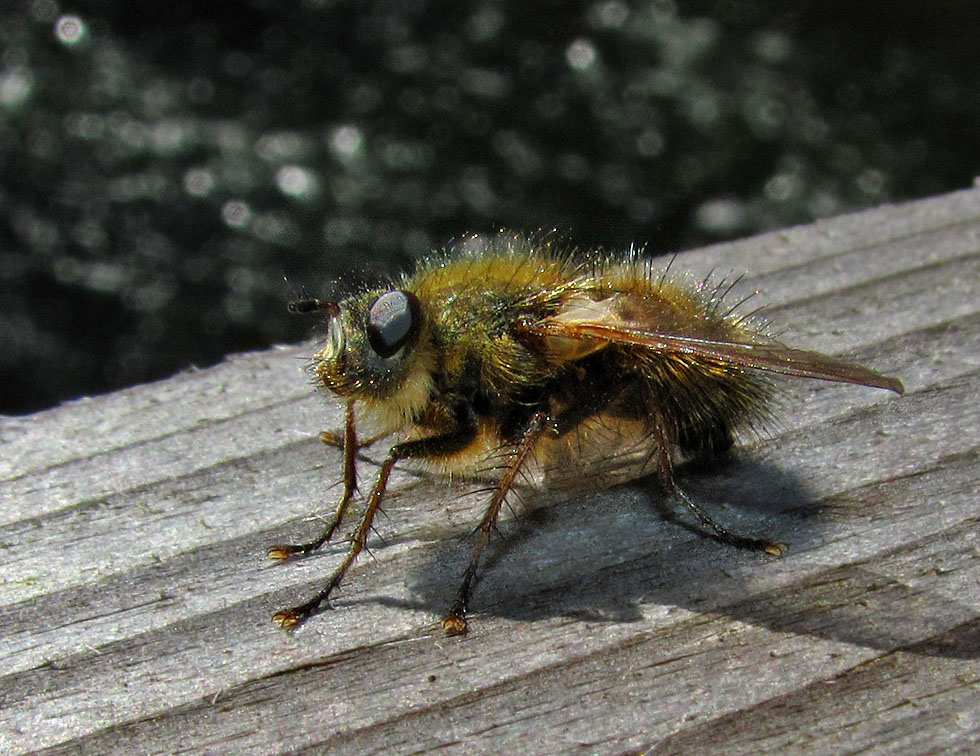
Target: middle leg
(455,621)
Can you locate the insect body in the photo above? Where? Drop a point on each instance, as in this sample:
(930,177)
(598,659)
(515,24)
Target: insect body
(507,348)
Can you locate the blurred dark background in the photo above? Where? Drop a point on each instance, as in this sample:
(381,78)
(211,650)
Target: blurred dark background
(165,166)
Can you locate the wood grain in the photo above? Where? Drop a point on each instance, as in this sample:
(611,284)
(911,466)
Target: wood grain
(136,597)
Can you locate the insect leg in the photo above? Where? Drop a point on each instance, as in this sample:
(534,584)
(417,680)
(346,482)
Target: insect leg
(282,552)
(724,535)
(332,438)
(455,621)
(444,444)
(341,441)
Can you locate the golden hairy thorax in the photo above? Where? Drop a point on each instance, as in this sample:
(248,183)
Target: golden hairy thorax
(472,297)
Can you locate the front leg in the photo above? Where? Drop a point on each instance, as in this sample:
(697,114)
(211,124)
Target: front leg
(457,437)
(282,552)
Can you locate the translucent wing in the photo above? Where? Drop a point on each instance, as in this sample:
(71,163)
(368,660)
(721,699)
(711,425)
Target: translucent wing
(763,355)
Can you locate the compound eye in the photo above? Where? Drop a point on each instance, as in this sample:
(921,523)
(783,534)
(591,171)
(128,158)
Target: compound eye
(393,321)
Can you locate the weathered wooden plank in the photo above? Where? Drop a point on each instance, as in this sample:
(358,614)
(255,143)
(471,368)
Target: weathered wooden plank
(136,596)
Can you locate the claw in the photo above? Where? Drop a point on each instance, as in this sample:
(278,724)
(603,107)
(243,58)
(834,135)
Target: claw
(454,624)
(776,549)
(289,619)
(281,552)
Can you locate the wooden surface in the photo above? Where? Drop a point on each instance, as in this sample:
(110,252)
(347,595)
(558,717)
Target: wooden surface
(136,596)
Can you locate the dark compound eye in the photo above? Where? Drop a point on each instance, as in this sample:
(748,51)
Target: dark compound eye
(393,321)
